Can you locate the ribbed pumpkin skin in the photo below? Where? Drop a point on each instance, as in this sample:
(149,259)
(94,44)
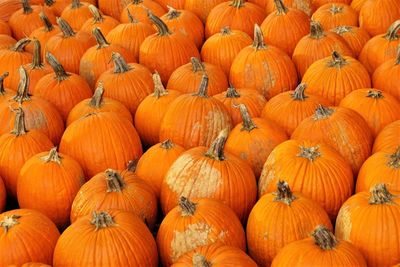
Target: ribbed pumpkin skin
(178,4)
(106,25)
(3,195)
(32,239)
(139,10)
(76,16)
(303,5)
(34,264)
(357,5)
(112,7)
(335,77)
(201,8)
(344,130)
(377,108)
(211,222)
(335,14)
(385,77)
(100,141)
(388,138)
(355,37)
(319,3)
(6,41)
(127,243)
(218,254)
(50,186)
(60,5)
(324,177)
(4,28)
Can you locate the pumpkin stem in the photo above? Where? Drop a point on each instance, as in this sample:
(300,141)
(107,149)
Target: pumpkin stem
(37,55)
(299,92)
(120,65)
(316,30)
(76,4)
(173,13)
(19,124)
(248,124)
(159,89)
(101,220)
(216,150)
(97,16)
(197,65)
(394,161)
(375,94)
(379,194)
(49,3)
(167,144)
(283,193)
(132,165)
(48,26)
(232,92)
(65,28)
(323,112)
(324,238)
(258,42)
(336,9)
(9,221)
(237,3)
(203,88)
(58,69)
(26,7)
(188,208)
(162,28)
(280,7)
(392,32)
(342,29)
(23,86)
(20,45)
(100,39)
(114,180)
(226,30)
(337,60)
(130,17)
(310,153)
(2,77)
(53,156)
(200,260)
(97,98)
(136,2)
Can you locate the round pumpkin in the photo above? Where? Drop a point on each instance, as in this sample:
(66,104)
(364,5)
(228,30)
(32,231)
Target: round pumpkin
(354,37)
(201,8)
(335,14)
(59,5)
(103,22)
(388,138)
(303,5)
(76,14)
(139,9)
(6,41)
(3,195)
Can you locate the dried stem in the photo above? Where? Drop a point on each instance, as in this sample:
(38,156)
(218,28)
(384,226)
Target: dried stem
(59,70)
(188,208)
(375,94)
(248,124)
(159,89)
(48,26)
(379,194)
(162,28)
(323,112)
(316,30)
(9,221)
(97,16)
(120,65)
(37,55)
(258,42)
(324,238)
(197,65)
(283,193)
(26,7)
(200,260)
(53,156)
(392,33)
(394,159)
(172,13)
(23,86)
(102,220)
(19,124)
(65,28)
(203,88)
(20,45)
(167,144)
(97,98)
(337,60)
(299,92)
(2,77)
(310,153)
(216,150)
(280,7)
(114,180)
(100,39)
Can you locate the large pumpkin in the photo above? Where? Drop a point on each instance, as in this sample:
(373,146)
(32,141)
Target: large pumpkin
(388,138)
(332,15)
(76,14)
(355,37)
(103,22)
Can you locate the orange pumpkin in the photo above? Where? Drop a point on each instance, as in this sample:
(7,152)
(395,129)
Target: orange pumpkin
(357,5)
(354,37)
(5,93)
(59,5)
(3,195)
(4,28)
(105,23)
(32,264)
(8,7)
(318,3)
(201,8)
(116,235)
(187,78)
(140,8)
(388,138)
(198,223)
(26,235)
(280,218)
(76,14)
(112,7)
(178,4)
(302,5)
(332,15)
(6,41)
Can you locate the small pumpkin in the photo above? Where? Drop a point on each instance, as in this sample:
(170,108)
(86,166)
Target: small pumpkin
(6,41)
(3,195)
(76,14)
(140,8)
(201,8)
(388,138)
(104,23)
(335,14)
(355,37)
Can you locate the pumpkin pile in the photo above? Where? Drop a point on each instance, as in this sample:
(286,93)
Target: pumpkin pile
(200,133)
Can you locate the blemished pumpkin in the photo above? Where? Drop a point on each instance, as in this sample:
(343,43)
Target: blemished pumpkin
(48,183)
(311,168)
(388,138)
(25,236)
(194,119)
(187,78)
(6,41)
(221,48)
(341,128)
(335,77)
(376,107)
(303,5)
(201,8)
(371,210)
(103,22)
(164,155)
(211,172)
(76,14)
(139,9)
(295,23)
(335,14)
(151,111)
(321,249)
(254,139)
(280,218)
(355,37)
(3,195)
(195,223)
(113,234)
(116,190)
(263,67)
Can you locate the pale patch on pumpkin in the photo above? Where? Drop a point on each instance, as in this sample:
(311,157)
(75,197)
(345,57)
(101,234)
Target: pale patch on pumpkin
(344,224)
(267,174)
(269,80)
(216,121)
(303,5)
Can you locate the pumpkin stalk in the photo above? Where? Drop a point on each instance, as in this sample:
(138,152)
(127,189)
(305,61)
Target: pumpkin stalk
(97,16)
(162,28)
(226,30)
(172,13)
(375,94)
(231,92)
(53,156)
(48,26)
(379,194)
(132,165)
(101,220)
(167,144)
(26,7)
(2,77)
(197,65)
(120,65)
(203,88)
(199,260)
(336,9)
(97,98)
(283,193)
(394,159)
(342,29)
(337,60)
(316,31)
(248,124)
(258,42)
(216,150)
(392,33)
(115,183)
(299,92)
(310,153)
(76,4)
(65,28)
(19,124)
(280,7)
(20,45)
(159,89)
(37,56)
(22,91)
(59,70)
(323,112)
(324,238)
(237,3)
(9,221)
(188,208)
(130,17)
(100,39)
(49,3)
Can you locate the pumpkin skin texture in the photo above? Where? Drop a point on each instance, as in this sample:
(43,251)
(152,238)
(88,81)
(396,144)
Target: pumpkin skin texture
(187,78)
(3,195)
(43,34)
(4,28)
(264,68)
(335,77)
(295,22)
(296,105)
(194,119)
(199,223)
(26,235)
(76,14)
(164,155)
(322,249)
(372,209)
(48,182)
(388,138)
(112,7)
(279,219)
(254,139)
(341,128)
(178,4)
(332,15)
(311,168)
(204,173)
(105,233)
(221,48)
(201,8)
(139,8)
(318,3)
(376,107)
(59,5)
(104,23)
(6,41)
(357,5)
(354,37)
(270,6)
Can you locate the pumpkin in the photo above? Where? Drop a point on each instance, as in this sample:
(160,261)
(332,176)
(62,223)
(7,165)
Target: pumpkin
(194,119)
(321,249)
(155,51)
(318,3)
(294,22)
(98,103)
(48,182)
(140,8)
(178,4)
(280,218)
(76,14)
(6,41)
(60,5)
(371,210)
(306,51)
(101,140)
(289,109)
(357,5)
(388,138)
(151,111)
(335,77)
(127,83)
(197,223)
(5,93)
(163,154)
(106,238)
(254,139)
(201,8)
(312,168)
(237,14)
(32,264)
(264,68)
(3,195)
(354,37)
(376,107)
(112,8)
(302,5)
(69,46)
(187,78)
(332,15)
(221,48)
(63,89)
(4,28)
(116,190)
(26,235)
(8,7)
(381,48)
(105,23)
(341,128)
(186,22)
(253,100)
(211,172)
